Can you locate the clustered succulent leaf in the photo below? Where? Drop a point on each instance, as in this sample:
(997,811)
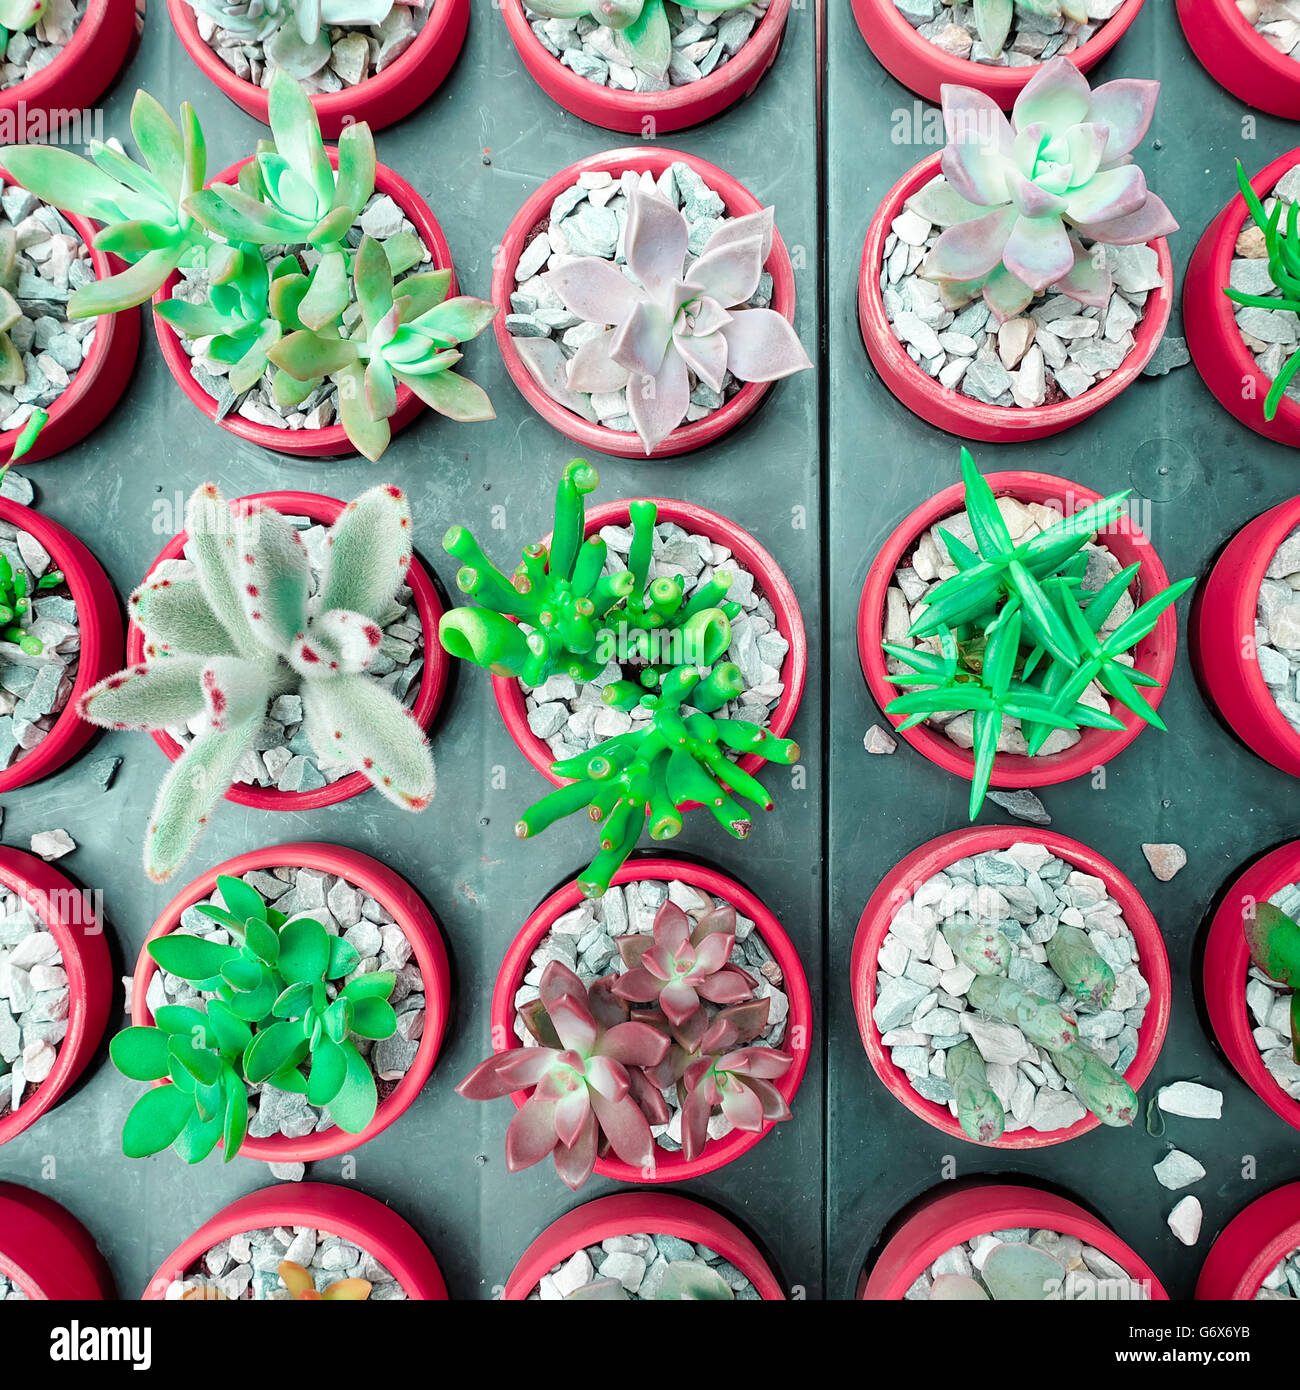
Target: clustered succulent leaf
(323,309)
(227,643)
(684,1281)
(282,1001)
(639,28)
(1018,637)
(1274,942)
(665,322)
(606,1052)
(578,618)
(993,17)
(298,1283)
(1018,198)
(1282,245)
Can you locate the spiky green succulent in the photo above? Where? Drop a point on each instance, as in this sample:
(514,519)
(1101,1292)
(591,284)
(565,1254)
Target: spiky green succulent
(226,644)
(294,34)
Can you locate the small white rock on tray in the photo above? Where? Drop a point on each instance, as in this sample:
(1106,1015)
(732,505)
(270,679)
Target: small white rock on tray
(1178,1170)
(1192,1100)
(702,41)
(34,1001)
(1033,39)
(639,1262)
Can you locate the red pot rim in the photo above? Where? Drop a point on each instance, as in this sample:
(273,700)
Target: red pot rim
(48,1253)
(1251,1245)
(433,678)
(1224,970)
(1279,68)
(419,926)
(331,441)
(90,60)
(101,379)
(379,100)
(99,621)
(666,111)
(947,1220)
(913,870)
(738,201)
(640,1213)
(1155,653)
(924,67)
(670,1167)
(770,580)
(343,1211)
(950,410)
(91,984)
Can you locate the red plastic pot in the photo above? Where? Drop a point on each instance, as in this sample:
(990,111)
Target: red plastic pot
(1226,963)
(920,65)
(433,678)
(1251,1246)
(950,410)
(332,441)
(418,925)
(640,1213)
(534,216)
(68,914)
(46,1251)
(923,863)
(342,1211)
(669,1167)
(1223,360)
(100,620)
(75,79)
(768,578)
(1222,630)
(661,112)
(100,380)
(1240,59)
(949,1218)
(1154,654)
(379,101)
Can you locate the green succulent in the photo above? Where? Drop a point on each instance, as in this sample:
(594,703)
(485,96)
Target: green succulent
(684,1281)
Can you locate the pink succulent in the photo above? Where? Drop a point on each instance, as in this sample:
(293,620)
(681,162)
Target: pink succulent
(735,1078)
(667,321)
(1021,193)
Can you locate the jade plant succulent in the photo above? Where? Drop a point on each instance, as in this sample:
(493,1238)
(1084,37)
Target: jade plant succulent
(574,618)
(277,282)
(245,630)
(684,1281)
(666,322)
(1015,635)
(281,996)
(1274,942)
(638,29)
(606,1055)
(1020,198)
(993,17)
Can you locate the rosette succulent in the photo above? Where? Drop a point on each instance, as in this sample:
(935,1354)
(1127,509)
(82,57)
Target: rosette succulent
(1022,196)
(666,322)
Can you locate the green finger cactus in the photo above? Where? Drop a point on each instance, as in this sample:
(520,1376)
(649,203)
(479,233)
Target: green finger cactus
(1097,1085)
(1082,970)
(979,1111)
(984,949)
(1040,1020)
(226,644)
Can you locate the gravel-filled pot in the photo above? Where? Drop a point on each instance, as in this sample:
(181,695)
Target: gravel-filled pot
(102,377)
(796,1040)
(532,220)
(1240,58)
(944,1219)
(354,1217)
(674,109)
(332,441)
(637,1213)
(1222,631)
(418,926)
(896,890)
(99,622)
(949,408)
(1209,316)
(1226,973)
(769,581)
(1244,1261)
(379,100)
(45,1252)
(925,67)
(1154,654)
(51,905)
(433,676)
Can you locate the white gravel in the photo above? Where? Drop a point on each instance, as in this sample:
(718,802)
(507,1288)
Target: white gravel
(639,1262)
(34,1001)
(1086,1274)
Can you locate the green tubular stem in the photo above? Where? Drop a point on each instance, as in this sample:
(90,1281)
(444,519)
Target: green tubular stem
(622,695)
(710,631)
(577,479)
(543,814)
(611,589)
(532,570)
(487,639)
(576,631)
(610,756)
(627,815)
(643,515)
(745,737)
(709,595)
(603,796)
(607,863)
(582,668)
(722,684)
(665,819)
(481,579)
(587,567)
(665,596)
(731,774)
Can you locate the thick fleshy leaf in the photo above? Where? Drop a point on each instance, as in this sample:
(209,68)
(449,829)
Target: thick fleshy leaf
(1153,219)
(1274,943)
(306,356)
(355,181)
(1038,251)
(571,1116)
(1089,282)
(1109,194)
(634,1044)
(274,1048)
(150,696)
(531,1136)
(126,289)
(742,1107)
(355,1105)
(594,289)
(762,346)
(61,178)
(486,1081)
(639,343)
(592,368)
(575,1163)
(626,1128)
(155,1121)
(1057,96)
(969,250)
(730,273)
(1030,200)
(461,318)
(940,203)
(979,140)
(141,1053)
(760,224)
(1125,107)
(1006,295)
(655,241)
(274,574)
(1087,144)
(452,395)
(658,404)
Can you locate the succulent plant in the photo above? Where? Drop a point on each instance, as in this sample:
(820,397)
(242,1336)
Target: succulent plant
(639,28)
(298,1283)
(1274,942)
(684,1281)
(15,593)
(229,642)
(666,322)
(294,33)
(1019,637)
(993,17)
(1021,197)
(1012,1272)
(15,16)
(979,1111)
(12,371)
(278,1000)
